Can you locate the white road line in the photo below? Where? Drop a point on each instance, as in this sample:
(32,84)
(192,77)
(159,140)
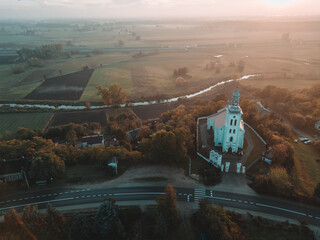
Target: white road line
(82,196)
(245,202)
(185,194)
(77,197)
(88,189)
(38,196)
(55,194)
(20,199)
(77,190)
(179,194)
(32,197)
(66,192)
(36,203)
(8,201)
(105,194)
(142,193)
(239,201)
(89,196)
(310,216)
(282,209)
(14,200)
(317,218)
(94,195)
(99,195)
(82,190)
(43,195)
(49,195)
(221,198)
(233,200)
(251,203)
(26,198)
(60,193)
(72,191)
(188,198)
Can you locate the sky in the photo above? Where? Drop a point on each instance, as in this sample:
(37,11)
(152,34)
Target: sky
(17,9)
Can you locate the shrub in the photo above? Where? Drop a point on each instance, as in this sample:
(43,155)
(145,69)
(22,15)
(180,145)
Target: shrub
(16,69)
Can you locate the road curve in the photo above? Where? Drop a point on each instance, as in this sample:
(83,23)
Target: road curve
(65,197)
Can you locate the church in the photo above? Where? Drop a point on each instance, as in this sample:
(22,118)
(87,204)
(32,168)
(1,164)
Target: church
(227,126)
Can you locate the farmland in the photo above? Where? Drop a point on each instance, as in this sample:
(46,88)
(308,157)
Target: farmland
(259,45)
(12,121)
(79,117)
(65,87)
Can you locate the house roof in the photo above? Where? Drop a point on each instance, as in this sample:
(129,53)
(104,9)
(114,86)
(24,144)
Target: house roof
(219,118)
(13,165)
(92,139)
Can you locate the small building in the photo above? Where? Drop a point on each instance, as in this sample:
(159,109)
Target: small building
(227,126)
(317,125)
(92,140)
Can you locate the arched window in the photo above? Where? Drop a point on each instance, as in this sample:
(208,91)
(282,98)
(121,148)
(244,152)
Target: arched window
(234,131)
(231,138)
(230,131)
(231,121)
(235,122)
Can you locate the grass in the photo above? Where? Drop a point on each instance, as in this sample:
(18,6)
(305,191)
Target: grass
(12,121)
(257,150)
(306,172)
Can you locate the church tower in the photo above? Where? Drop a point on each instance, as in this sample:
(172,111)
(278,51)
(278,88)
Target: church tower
(234,131)
(227,125)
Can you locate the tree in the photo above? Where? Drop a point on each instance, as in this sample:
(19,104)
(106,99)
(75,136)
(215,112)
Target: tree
(16,69)
(280,179)
(105,94)
(118,96)
(144,132)
(167,207)
(83,227)
(46,165)
(107,221)
(56,224)
(180,82)
(71,137)
(25,134)
(317,191)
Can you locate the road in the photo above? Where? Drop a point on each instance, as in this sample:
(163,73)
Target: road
(72,196)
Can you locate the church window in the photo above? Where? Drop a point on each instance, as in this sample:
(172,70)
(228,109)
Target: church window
(231,121)
(234,131)
(235,122)
(234,116)
(230,131)
(231,138)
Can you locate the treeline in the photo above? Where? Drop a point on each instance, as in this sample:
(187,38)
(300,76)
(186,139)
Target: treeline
(109,222)
(299,106)
(47,51)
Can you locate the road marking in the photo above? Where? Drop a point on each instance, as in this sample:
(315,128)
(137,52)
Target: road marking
(310,216)
(60,193)
(283,209)
(77,197)
(9,201)
(239,201)
(245,202)
(20,199)
(14,200)
(179,194)
(211,193)
(66,192)
(185,194)
(94,195)
(233,200)
(82,196)
(222,198)
(188,198)
(99,195)
(141,193)
(89,196)
(43,195)
(49,195)
(317,218)
(199,193)
(55,194)
(36,203)
(26,198)
(77,190)
(88,189)
(82,190)
(251,203)
(72,191)
(105,195)
(32,197)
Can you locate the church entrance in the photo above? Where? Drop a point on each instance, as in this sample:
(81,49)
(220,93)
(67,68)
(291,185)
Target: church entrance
(230,150)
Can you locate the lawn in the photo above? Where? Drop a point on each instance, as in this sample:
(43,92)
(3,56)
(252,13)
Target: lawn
(259,147)
(306,173)
(12,121)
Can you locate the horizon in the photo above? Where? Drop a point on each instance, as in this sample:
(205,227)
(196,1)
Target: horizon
(156,9)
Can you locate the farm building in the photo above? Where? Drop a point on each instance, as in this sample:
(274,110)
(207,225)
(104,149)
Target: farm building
(227,126)
(92,140)
(317,125)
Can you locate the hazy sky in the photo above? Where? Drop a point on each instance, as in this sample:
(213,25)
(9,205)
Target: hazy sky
(155,8)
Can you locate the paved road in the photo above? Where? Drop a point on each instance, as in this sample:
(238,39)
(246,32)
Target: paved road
(71,196)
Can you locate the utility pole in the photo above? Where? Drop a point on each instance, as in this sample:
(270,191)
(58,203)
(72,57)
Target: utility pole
(25,177)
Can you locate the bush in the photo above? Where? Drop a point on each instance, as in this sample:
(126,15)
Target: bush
(35,62)
(16,69)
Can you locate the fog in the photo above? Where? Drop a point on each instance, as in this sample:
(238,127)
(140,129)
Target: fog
(17,9)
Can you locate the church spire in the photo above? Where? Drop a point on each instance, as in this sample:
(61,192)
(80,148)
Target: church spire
(235,97)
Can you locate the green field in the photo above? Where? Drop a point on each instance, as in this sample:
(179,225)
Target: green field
(306,172)
(12,121)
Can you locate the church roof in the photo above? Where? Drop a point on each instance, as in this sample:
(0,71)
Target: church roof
(219,118)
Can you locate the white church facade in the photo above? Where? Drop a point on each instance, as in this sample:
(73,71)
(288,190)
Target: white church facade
(227,126)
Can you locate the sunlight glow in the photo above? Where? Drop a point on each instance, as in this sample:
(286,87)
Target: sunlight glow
(279,2)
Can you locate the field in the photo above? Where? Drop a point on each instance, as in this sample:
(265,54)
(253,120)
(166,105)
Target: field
(292,63)
(65,87)
(306,172)
(12,121)
(79,117)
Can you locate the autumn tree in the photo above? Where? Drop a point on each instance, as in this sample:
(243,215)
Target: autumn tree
(167,207)
(71,137)
(317,191)
(118,96)
(280,179)
(180,82)
(105,94)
